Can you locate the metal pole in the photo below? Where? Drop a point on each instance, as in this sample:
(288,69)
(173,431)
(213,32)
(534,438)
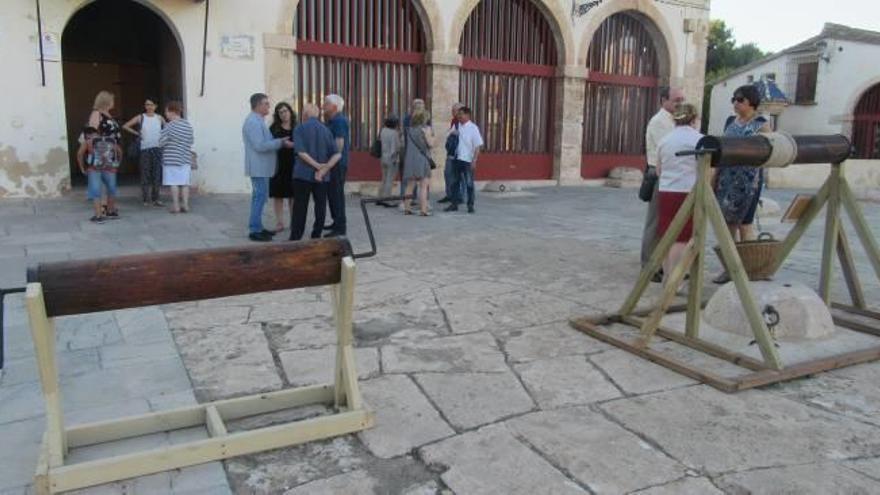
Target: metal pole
(42,62)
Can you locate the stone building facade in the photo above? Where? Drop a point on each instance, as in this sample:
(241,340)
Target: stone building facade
(561,87)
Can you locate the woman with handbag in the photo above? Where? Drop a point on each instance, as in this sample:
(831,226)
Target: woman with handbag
(417,162)
(145,148)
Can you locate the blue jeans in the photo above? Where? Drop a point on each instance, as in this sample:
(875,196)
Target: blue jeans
(463,180)
(449,178)
(96,178)
(259,195)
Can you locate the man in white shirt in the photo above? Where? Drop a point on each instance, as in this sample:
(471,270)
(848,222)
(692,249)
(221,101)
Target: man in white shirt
(659,126)
(465,162)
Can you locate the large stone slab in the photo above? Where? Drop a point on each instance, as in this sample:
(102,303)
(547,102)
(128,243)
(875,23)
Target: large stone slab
(316,366)
(376,480)
(381,320)
(824,479)
(194,317)
(469,400)
(565,381)
(143,325)
(507,310)
(227,361)
(70,363)
(404,418)
(18,457)
(599,453)
(491,461)
(547,342)
(285,311)
(853,391)
(458,354)
(684,486)
(305,334)
(717,432)
(86,331)
(636,375)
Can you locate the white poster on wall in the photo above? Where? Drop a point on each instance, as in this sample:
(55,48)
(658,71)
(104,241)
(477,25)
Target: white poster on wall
(239,46)
(51,47)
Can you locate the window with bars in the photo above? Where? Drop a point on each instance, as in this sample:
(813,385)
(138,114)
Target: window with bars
(622,87)
(807,73)
(509,62)
(370,52)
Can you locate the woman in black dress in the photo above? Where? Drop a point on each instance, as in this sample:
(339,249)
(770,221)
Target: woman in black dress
(281,184)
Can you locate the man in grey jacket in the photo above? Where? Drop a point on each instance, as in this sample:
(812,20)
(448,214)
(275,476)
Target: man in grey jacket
(260,156)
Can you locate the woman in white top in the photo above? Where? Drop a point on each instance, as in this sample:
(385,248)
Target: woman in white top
(149,126)
(177,156)
(678,174)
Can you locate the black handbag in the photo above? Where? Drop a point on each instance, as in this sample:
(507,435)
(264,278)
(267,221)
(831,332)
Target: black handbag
(376,149)
(649,183)
(134,147)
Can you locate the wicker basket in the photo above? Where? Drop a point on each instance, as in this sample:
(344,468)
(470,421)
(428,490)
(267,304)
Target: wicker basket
(758,257)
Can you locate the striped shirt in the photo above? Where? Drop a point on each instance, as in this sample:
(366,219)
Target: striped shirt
(176,142)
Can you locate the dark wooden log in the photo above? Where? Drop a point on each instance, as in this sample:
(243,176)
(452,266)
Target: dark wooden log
(755,150)
(88,286)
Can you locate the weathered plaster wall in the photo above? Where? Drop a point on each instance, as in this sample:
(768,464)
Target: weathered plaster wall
(33,136)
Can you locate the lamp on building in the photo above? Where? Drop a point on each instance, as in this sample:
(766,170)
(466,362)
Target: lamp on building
(824,51)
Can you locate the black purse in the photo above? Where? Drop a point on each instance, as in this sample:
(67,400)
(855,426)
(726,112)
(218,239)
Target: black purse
(376,149)
(649,183)
(134,147)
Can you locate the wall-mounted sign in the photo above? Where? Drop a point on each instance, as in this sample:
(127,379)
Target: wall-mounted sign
(51,47)
(239,46)
(580,8)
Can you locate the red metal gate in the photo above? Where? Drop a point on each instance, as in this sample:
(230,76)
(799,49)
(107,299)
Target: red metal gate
(370,52)
(866,125)
(621,95)
(507,78)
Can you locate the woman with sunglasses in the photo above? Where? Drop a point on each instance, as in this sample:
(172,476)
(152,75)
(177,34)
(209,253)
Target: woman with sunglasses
(738,188)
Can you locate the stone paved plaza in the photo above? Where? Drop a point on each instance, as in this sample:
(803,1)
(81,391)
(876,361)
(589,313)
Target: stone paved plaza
(463,350)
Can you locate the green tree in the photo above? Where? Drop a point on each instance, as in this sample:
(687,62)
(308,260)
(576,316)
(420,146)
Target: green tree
(723,57)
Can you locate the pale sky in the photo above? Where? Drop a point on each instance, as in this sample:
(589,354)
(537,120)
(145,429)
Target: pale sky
(777,24)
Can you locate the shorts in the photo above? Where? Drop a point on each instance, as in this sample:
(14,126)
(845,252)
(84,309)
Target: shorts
(669,204)
(98,177)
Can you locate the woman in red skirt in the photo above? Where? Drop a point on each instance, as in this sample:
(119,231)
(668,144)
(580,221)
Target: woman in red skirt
(677,177)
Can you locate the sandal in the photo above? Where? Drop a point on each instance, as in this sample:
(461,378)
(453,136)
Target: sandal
(173,211)
(407,212)
(424,213)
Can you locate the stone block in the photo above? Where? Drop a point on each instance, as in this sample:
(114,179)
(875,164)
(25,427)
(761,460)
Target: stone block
(22,401)
(290,311)
(228,360)
(143,325)
(824,478)
(802,314)
(193,478)
(509,310)
(628,177)
(565,381)
(405,419)
(106,387)
(636,375)
(316,366)
(599,453)
(684,486)
(21,446)
(547,342)
(70,363)
(143,354)
(466,353)
(469,400)
(305,334)
(711,431)
(196,317)
(86,331)
(491,461)
(853,391)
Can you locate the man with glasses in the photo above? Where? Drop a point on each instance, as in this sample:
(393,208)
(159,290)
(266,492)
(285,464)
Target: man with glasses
(659,126)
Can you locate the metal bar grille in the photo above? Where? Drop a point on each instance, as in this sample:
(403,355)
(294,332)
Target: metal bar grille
(507,75)
(370,52)
(621,90)
(866,125)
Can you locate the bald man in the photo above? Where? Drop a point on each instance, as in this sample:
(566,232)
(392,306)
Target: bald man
(316,155)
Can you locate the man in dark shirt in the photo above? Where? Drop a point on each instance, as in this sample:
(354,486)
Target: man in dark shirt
(337,122)
(316,157)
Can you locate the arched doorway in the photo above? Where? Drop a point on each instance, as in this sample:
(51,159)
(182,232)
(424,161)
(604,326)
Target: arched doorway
(123,47)
(621,94)
(507,78)
(370,53)
(866,125)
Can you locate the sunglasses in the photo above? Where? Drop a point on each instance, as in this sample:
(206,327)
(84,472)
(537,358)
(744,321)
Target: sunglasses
(737,99)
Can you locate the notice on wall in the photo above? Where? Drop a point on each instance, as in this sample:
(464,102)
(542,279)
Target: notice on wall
(51,47)
(239,46)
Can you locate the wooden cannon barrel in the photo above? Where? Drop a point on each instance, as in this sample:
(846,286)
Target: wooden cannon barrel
(87,286)
(757,150)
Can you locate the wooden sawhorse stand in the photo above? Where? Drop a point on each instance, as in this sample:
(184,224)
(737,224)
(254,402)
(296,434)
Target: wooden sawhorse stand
(56,289)
(703,206)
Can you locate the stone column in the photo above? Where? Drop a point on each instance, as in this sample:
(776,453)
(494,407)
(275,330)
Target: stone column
(443,75)
(279,66)
(569,129)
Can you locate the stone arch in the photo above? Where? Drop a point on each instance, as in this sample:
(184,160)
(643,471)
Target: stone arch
(556,17)
(652,19)
(858,93)
(428,12)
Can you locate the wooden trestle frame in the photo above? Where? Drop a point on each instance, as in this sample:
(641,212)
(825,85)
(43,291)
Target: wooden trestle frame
(53,475)
(702,204)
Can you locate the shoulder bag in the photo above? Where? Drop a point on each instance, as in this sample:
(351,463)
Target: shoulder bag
(423,152)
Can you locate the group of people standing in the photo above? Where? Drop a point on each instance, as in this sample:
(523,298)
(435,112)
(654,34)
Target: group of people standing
(162,147)
(296,161)
(737,189)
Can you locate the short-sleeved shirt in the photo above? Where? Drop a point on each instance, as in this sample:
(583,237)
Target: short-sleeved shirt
(678,173)
(339,127)
(469,139)
(314,138)
(659,126)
